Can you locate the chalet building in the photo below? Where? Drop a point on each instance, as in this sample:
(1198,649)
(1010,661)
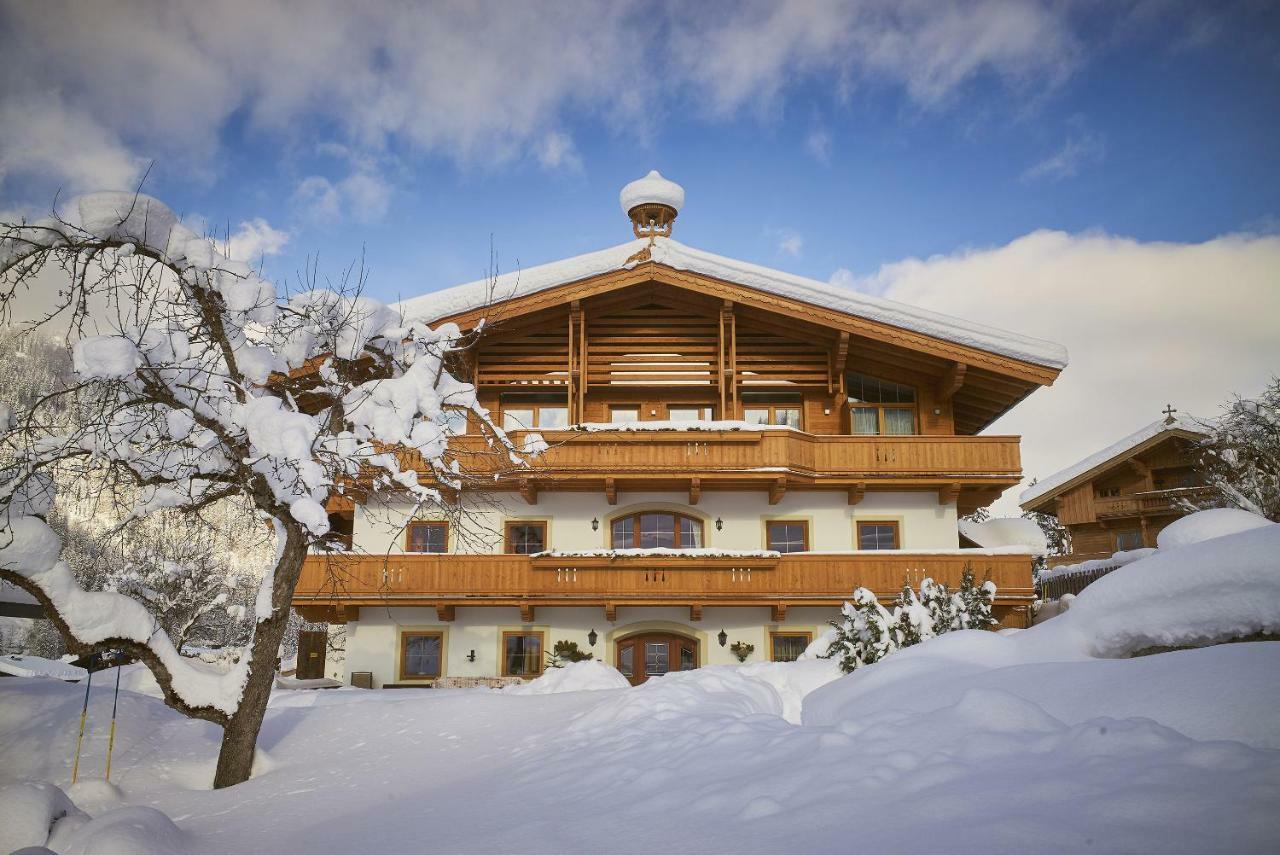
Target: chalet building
(731,450)
(1121,497)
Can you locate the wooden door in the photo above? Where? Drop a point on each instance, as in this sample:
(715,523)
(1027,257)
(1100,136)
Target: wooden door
(646,655)
(312,645)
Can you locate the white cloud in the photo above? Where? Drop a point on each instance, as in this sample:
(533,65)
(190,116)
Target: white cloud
(1082,147)
(361,196)
(557,151)
(1145,324)
(789,242)
(254,239)
(478,82)
(818,144)
(41,136)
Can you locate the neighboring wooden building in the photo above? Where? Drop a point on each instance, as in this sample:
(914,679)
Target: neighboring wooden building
(779,442)
(1121,497)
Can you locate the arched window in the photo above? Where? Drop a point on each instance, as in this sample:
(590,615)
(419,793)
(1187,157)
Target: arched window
(655,530)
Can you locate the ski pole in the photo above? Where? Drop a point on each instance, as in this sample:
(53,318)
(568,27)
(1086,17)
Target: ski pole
(75,768)
(111,740)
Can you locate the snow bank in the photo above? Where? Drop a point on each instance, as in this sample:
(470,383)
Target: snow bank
(23,665)
(587,676)
(30,811)
(1006,531)
(1206,525)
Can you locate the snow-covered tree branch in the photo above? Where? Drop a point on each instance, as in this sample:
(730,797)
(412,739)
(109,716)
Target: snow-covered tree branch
(195,383)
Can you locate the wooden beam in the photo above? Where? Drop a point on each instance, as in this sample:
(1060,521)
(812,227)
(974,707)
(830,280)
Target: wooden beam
(350,614)
(611,612)
(526,612)
(695,490)
(839,356)
(529,490)
(951,381)
(777,490)
(445,611)
(695,611)
(778,612)
(856,493)
(948,494)
(611,491)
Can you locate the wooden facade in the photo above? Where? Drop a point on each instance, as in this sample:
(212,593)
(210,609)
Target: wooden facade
(332,584)
(1126,501)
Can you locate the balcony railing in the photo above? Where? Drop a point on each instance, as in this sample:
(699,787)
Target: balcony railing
(445,581)
(1138,504)
(768,453)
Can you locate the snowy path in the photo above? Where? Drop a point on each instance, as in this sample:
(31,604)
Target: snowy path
(702,763)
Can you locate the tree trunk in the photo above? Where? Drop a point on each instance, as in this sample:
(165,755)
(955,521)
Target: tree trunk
(240,736)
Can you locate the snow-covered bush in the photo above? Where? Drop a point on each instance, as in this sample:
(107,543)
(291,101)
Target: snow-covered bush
(868,631)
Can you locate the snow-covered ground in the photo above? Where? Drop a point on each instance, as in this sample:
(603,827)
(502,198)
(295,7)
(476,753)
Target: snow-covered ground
(973,742)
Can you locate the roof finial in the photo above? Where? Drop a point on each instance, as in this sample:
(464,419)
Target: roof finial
(652,203)
(1168,411)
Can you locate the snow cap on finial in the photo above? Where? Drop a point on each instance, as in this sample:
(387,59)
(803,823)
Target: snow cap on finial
(652,203)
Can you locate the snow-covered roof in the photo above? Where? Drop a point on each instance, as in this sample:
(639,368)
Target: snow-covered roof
(1093,461)
(22,665)
(653,188)
(673,254)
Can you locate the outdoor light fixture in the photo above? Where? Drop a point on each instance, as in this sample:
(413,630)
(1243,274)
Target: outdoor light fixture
(723,638)
(595,524)
(471,657)
(719,523)
(591,638)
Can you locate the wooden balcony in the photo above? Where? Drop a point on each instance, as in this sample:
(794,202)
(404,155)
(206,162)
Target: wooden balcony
(332,584)
(773,459)
(1151,503)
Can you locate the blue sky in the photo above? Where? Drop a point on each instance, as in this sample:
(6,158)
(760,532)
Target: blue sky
(1103,174)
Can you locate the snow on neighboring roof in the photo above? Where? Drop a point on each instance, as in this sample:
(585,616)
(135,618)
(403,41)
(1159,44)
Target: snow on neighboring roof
(1005,531)
(21,665)
(1133,440)
(673,254)
(652,188)
(13,594)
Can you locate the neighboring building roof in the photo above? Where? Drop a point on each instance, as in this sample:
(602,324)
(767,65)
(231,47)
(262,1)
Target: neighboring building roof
(22,665)
(671,253)
(1056,482)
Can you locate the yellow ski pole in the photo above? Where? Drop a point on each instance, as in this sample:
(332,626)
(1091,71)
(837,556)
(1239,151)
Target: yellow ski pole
(75,768)
(111,740)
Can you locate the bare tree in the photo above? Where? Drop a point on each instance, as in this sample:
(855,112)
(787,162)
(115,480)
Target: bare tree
(1240,456)
(196,383)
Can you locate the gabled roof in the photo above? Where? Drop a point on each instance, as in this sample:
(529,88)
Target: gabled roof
(1187,427)
(670,253)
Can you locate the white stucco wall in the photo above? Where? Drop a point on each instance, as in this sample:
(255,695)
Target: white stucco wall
(922,522)
(373,642)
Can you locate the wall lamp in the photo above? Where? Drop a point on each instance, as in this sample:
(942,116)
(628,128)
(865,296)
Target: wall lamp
(471,657)
(595,523)
(592,637)
(723,638)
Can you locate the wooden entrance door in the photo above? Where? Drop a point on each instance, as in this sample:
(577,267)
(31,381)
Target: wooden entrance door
(312,645)
(652,654)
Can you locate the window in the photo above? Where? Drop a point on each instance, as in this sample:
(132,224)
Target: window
(341,530)
(427,537)
(624,415)
(787,646)
(455,421)
(421,655)
(878,407)
(787,536)
(521,654)
(773,410)
(526,538)
(656,529)
(1126,540)
(1108,492)
(877,535)
(691,413)
(527,412)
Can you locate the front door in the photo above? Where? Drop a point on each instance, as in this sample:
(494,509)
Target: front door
(654,654)
(312,646)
